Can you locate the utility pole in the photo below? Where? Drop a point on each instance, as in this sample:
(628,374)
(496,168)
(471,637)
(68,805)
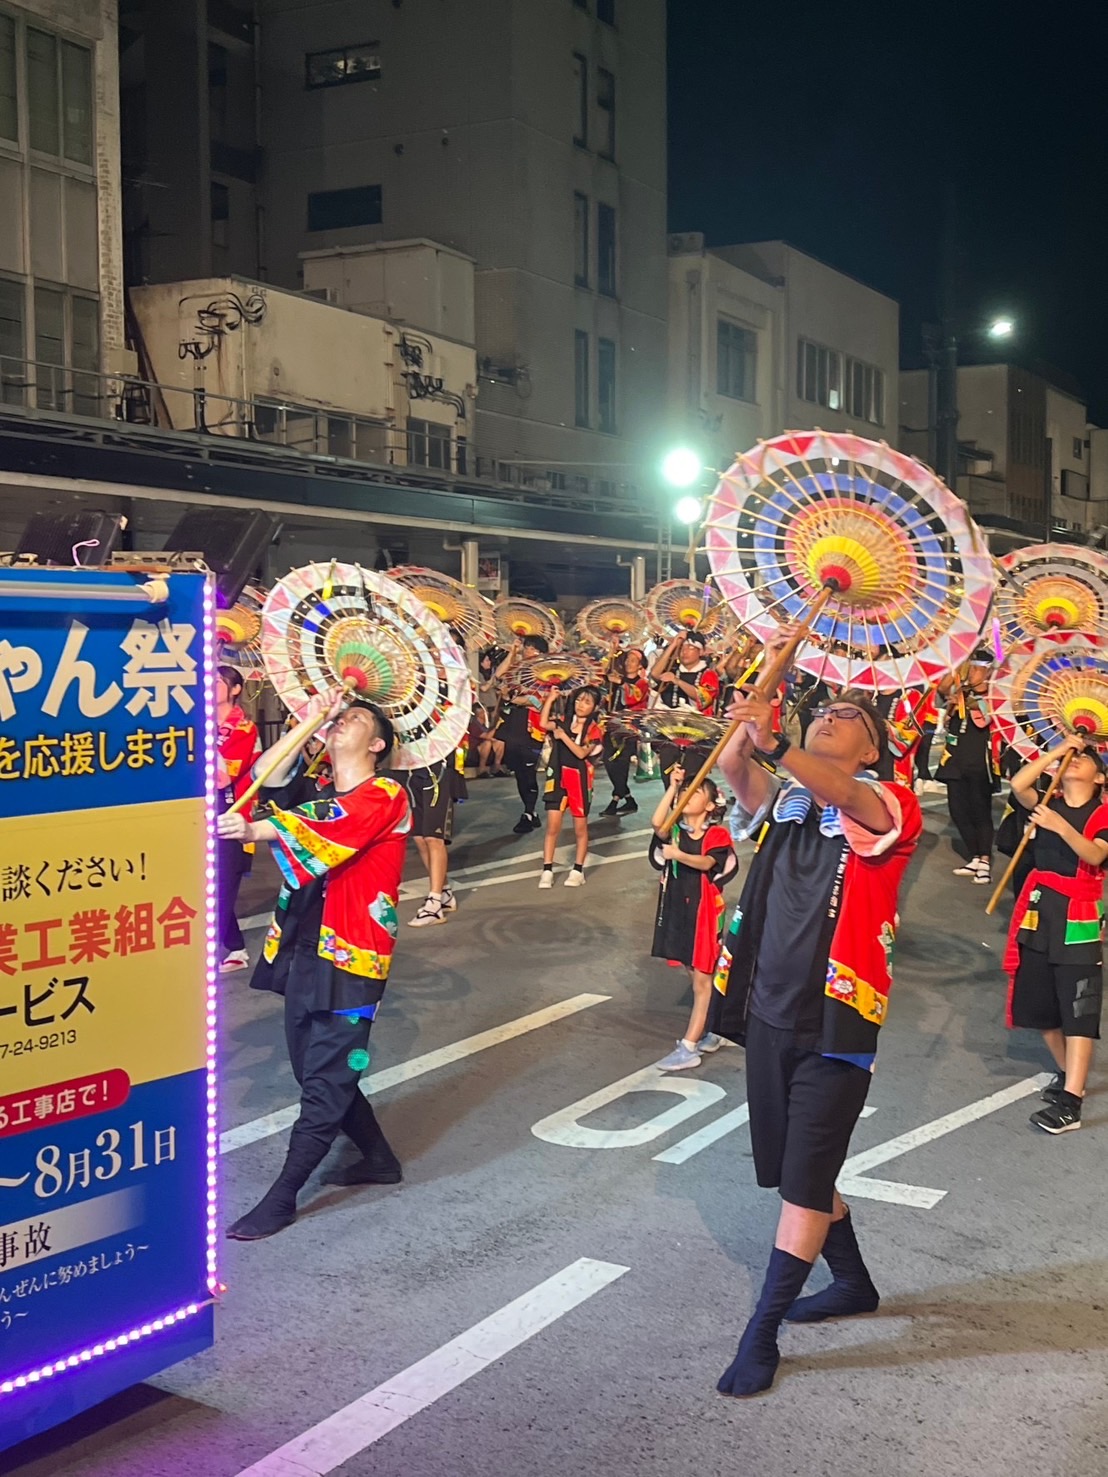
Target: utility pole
(946,351)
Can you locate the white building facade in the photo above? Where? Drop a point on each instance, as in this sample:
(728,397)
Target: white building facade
(764,339)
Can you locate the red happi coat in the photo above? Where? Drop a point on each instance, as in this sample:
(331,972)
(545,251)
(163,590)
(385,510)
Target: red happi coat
(238,746)
(358,841)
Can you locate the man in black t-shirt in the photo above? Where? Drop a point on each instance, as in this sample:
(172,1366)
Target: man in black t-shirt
(1054,954)
(804,987)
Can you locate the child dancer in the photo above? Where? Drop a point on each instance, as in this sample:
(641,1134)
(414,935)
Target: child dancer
(569,774)
(695,865)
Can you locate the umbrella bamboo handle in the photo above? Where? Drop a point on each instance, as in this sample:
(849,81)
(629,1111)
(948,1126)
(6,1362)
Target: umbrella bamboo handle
(296,740)
(766,685)
(1028,834)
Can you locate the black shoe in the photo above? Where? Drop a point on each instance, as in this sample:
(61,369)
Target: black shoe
(276,1211)
(524,826)
(628,807)
(612,808)
(1054,1089)
(1060,1116)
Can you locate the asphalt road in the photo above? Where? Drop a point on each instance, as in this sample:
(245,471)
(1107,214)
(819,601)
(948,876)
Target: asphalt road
(563,1301)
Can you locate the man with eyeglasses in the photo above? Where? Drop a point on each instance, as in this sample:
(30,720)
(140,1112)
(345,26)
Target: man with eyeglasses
(803,983)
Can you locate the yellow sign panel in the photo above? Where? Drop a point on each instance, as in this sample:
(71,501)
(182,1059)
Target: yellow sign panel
(102,945)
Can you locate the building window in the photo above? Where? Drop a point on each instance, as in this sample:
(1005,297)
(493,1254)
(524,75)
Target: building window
(13,351)
(344,64)
(59,97)
(580,378)
(819,375)
(865,392)
(736,361)
(221,212)
(581,105)
(580,239)
(9,111)
(606,11)
(217,91)
(606,103)
(429,444)
(335,210)
(606,385)
(1078,448)
(606,249)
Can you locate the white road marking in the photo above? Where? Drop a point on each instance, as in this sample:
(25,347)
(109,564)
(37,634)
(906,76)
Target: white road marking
(431,1061)
(342,1436)
(711,1133)
(853,1182)
(564,1129)
(409,891)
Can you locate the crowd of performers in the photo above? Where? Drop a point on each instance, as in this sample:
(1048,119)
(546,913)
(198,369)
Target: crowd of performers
(825,782)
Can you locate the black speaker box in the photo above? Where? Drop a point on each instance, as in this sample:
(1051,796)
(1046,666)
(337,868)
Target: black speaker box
(52,538)
(232,541)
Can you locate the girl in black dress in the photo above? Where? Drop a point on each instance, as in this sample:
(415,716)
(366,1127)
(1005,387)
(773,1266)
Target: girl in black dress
(695,862)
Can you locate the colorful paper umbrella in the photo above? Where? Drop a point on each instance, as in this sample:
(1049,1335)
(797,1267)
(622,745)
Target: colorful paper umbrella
(560,669)
(458,606)
(1053,588)
(685,605)
(238,633)
(1049,687)
(603,621)
(516,618)
(910,575)
(332,624)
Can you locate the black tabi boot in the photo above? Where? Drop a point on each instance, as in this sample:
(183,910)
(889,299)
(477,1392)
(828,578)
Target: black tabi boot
(378,1164)
(852,1290)
(276,1210)
(755,1364)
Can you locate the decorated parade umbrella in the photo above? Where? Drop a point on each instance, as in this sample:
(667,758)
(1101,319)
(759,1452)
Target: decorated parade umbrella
(338,625)
(864,542)
(516,618)
(238,633)
(1046,688)
(1051,588)
(686,605)
(458,606)
(1043,690)
(559,669)
(681,727)
(603,621)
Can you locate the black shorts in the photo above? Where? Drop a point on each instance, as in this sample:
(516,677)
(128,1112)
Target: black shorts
(431,796)
(1056,997)
(803,1108)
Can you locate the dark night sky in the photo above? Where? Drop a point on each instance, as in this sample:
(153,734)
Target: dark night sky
(839,127)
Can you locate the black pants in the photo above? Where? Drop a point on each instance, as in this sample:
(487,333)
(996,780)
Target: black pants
(971,809)
(522,762)
(320,1044)
(232,865)
(619,749)
(923,754)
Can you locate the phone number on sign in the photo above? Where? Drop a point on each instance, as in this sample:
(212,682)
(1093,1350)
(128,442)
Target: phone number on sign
(38,1043)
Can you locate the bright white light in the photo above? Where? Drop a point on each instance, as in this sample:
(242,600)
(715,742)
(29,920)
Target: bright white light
(681,467)
(1001,328)
(688,510)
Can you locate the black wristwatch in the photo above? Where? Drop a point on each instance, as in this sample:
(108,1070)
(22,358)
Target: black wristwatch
(778,752)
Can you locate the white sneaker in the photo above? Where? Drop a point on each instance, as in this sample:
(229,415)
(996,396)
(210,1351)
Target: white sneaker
(237,959)
(431,912)
(983,874)
(575,878)
(970,869)
(547,878)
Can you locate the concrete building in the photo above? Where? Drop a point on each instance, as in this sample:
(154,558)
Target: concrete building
(61,269)
(528,137)
(764,338)
(1026,451)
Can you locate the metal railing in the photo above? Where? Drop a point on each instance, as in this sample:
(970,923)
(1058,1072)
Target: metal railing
(333,437)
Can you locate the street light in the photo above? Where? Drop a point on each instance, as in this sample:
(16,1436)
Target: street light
(688,510)
(681,467)
(1001,328)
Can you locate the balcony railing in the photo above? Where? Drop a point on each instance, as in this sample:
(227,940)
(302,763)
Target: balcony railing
(336,438)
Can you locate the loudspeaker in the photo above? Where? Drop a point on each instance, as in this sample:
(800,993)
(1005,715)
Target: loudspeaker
(232,541)
(52,538)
